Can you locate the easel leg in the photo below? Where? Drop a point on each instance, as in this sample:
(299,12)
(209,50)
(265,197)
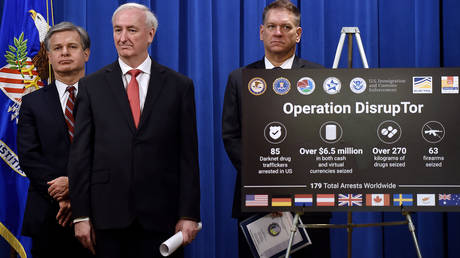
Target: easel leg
(412,230)
(293,230)
(349,233)
(350,50)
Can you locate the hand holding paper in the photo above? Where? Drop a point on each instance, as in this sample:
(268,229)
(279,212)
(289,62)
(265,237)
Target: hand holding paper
(169,246)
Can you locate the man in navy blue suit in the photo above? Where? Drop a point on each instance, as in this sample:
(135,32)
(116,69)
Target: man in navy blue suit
(280,32)
(133,171)
(44,139)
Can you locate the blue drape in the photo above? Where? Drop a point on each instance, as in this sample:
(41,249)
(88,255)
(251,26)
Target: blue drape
(207,39)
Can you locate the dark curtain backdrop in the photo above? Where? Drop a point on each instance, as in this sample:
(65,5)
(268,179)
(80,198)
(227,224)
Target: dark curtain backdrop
(207,39)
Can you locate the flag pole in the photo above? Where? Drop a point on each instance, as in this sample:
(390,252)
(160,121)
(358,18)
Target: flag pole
(48,7)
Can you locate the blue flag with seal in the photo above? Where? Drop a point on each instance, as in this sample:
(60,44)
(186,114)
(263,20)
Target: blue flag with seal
(23,66)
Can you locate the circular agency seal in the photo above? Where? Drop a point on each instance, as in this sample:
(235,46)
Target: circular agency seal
(281,86)
(358,85)
(306,86)
(274,229)
(332,85)
(257,86)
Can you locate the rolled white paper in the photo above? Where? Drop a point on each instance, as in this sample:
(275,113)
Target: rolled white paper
(169,246)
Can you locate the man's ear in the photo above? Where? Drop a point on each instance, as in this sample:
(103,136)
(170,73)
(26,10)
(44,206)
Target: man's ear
(86,52)
(261,32)
(152,33)
(299,34)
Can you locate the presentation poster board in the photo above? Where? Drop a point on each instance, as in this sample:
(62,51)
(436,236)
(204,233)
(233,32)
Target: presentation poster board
(351,140)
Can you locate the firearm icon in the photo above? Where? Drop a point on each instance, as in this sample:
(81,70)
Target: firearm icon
(433,132)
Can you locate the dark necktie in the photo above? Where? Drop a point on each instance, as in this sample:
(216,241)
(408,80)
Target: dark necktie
(277,68)
(133,95)
(69,111)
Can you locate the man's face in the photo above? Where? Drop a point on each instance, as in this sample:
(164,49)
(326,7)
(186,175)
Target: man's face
(279,32)
(66,54)
(131,34)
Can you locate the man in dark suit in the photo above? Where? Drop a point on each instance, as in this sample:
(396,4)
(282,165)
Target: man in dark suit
(134,177)
(280,32)
(44,139)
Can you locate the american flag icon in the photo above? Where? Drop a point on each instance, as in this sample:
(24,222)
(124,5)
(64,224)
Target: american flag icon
(256,200)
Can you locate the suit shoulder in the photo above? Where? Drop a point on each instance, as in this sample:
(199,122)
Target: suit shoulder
(174,74)
(236,72)
(309,64)
(255,65)
(99,73)
(35,95)
(260,64)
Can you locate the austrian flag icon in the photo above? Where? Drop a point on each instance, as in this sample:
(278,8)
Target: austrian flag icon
(325,200)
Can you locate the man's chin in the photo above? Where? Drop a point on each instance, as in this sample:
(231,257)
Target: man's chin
(125,52)
(65,69)
(278,49)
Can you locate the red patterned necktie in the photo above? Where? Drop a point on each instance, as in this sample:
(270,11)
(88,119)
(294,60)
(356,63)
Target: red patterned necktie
(133,96)
(69,111)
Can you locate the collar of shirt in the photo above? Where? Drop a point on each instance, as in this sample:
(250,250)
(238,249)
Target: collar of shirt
(143,78)
(286,65)
(61,88)
(144,67)
(63,94)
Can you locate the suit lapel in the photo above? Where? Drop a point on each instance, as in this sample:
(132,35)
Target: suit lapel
(296,63)
(261,64)
(114,77)
(54,104)
(257,65)
(156,84)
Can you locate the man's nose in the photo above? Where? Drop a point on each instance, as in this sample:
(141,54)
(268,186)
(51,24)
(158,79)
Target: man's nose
(123,35)
(278,30)
(65,51)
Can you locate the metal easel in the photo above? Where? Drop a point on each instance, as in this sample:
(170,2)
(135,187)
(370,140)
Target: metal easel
(349,31)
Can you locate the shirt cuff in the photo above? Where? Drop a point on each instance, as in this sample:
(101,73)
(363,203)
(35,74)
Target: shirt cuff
(80,219)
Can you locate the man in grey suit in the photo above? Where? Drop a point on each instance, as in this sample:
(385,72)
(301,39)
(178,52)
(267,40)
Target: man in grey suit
(133,170)
(280,32)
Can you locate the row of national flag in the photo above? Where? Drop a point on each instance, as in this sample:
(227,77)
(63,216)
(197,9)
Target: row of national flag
(347,200)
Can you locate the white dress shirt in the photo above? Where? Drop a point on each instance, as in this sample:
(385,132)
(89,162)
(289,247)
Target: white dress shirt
(63,94)
(286,65)
(142,79)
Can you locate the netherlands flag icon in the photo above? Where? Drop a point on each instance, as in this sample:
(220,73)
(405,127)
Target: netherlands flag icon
(303,200)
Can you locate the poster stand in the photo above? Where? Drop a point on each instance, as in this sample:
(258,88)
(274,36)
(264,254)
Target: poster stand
(350,226)
(349,31)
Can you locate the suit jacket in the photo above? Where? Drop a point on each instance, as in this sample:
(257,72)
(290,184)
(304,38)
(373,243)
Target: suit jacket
(43,148)
(118,173)
(231,121)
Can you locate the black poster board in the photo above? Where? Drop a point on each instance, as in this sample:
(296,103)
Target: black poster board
(351,140)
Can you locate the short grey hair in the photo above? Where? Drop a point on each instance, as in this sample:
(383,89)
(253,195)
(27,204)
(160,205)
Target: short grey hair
(150,18)
(68,26)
